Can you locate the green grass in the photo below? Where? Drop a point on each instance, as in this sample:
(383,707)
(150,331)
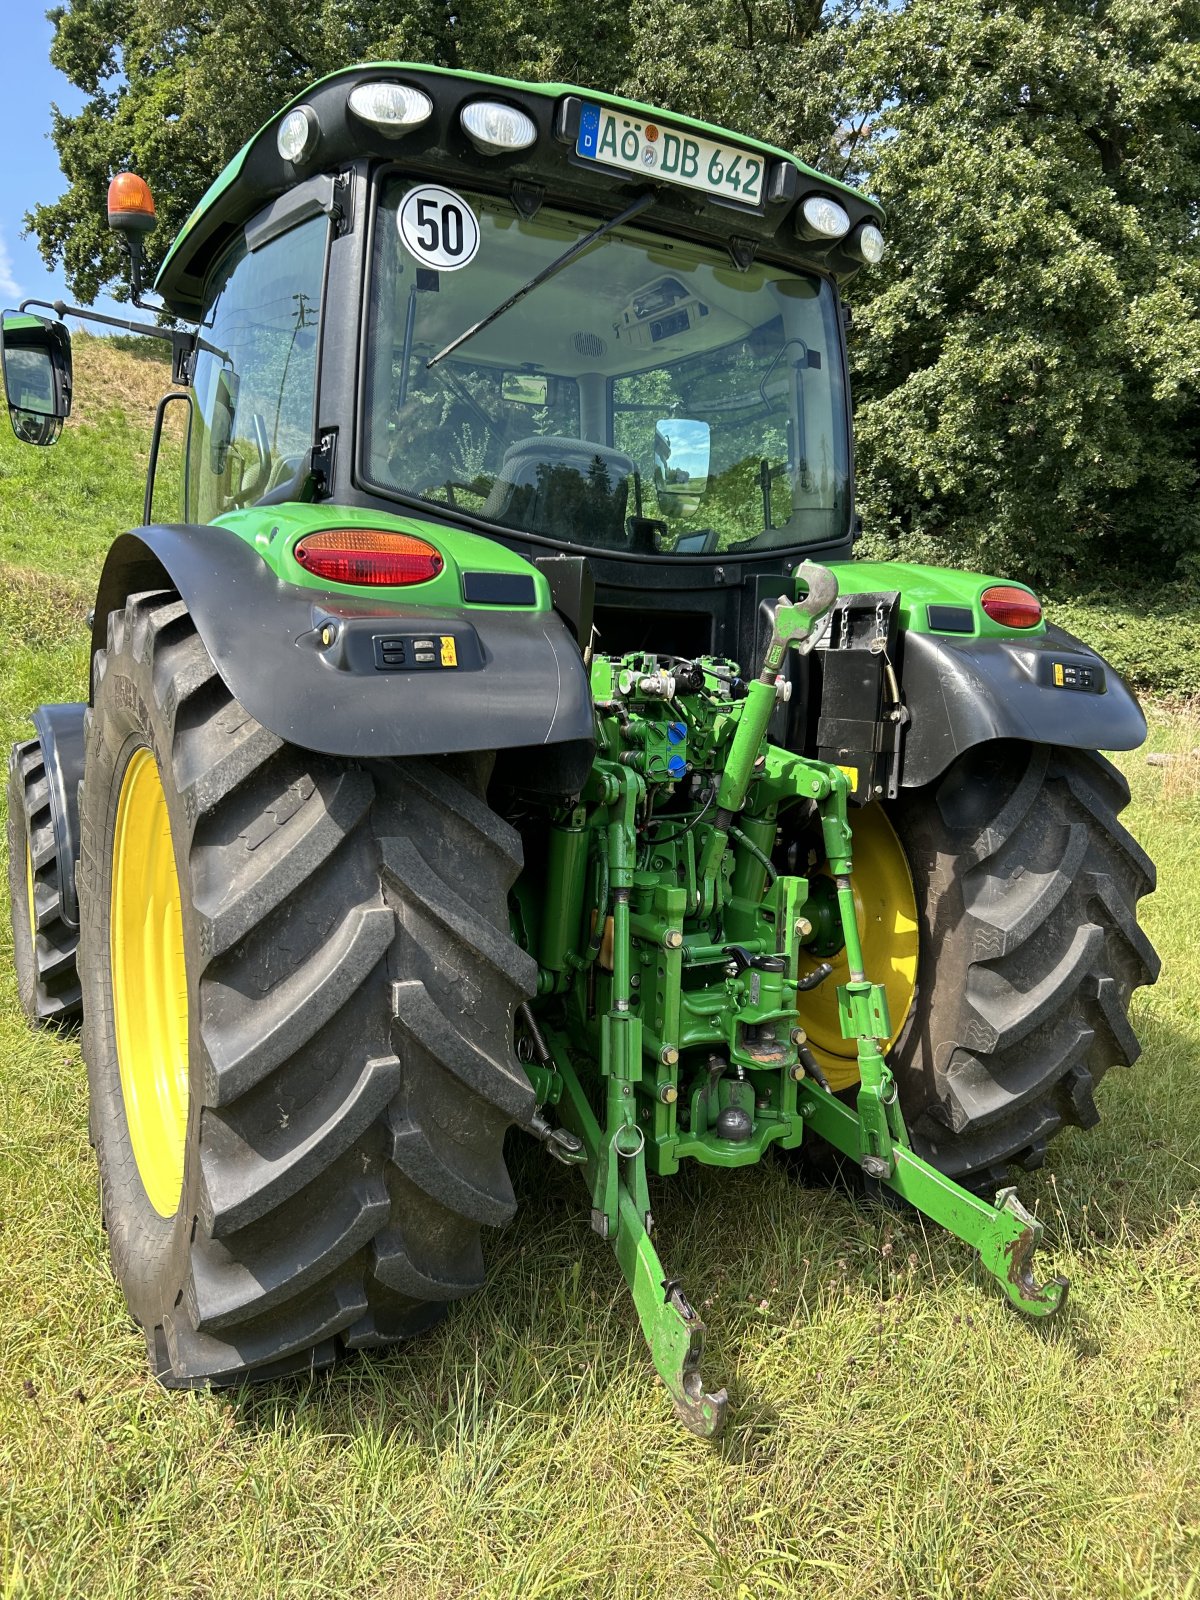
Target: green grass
(895,1432)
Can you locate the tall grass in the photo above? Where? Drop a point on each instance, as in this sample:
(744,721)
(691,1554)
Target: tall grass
(896,1430)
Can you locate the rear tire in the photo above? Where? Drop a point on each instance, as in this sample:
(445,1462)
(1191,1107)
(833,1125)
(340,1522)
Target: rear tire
(351,984)
(45,943)
(1027,888)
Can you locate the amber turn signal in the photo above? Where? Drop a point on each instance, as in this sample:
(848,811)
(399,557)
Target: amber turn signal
(369,556)
(1011,607)
(130,203)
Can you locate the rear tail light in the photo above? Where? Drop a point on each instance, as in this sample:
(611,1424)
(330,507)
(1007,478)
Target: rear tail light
(1011,607)
(368,555)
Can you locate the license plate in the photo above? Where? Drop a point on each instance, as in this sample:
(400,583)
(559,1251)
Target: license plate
(616,140)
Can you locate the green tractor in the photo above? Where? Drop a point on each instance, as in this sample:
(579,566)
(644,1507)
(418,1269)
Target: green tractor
(485,747)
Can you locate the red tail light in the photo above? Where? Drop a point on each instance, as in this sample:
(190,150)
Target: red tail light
(1011,607)
(368,555)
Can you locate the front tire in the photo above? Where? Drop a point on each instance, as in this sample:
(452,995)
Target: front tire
(45,942)
(350,986)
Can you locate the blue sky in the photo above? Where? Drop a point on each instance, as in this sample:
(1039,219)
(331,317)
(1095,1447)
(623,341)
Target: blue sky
(29,170)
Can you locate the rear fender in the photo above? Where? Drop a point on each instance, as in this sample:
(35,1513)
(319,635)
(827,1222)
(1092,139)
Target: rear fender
(308,663)
(1047,688)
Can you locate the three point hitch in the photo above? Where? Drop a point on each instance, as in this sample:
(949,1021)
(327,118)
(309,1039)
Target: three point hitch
(693,952)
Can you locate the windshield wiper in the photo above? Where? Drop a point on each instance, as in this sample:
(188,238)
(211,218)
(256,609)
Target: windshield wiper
(580,245)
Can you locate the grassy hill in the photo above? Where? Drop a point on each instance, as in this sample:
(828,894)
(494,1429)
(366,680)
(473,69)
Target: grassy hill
(896,1430)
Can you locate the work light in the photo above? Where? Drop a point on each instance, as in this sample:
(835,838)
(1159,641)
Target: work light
(867,244)
(392,108)
(492,126)
(821,218)
(298,134)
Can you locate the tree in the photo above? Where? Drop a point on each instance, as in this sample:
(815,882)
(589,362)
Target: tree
(1028,361)
(176,87)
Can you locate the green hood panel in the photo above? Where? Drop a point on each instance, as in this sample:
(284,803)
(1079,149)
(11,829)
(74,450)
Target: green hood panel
(274,532)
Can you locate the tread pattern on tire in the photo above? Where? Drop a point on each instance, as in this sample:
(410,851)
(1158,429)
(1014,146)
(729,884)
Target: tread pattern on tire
(352,1002)
(48,977)
(1030,951)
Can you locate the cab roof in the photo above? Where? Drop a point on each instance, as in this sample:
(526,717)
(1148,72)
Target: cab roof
(550,168)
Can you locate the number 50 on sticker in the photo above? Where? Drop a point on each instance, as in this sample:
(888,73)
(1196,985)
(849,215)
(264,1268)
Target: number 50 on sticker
(438,227)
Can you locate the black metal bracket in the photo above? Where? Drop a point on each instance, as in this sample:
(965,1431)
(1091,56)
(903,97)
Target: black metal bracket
(862,716)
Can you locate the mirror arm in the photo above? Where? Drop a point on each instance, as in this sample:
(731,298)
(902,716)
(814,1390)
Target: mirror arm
(183,342)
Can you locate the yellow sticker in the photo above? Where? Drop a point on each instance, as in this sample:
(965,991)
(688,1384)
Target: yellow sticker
(449,653)
(852,774)
(1058,674)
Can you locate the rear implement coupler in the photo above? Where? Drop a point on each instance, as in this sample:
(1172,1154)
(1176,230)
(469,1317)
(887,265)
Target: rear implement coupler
(671,954)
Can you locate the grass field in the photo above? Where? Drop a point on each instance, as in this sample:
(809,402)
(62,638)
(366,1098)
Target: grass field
(896,1431)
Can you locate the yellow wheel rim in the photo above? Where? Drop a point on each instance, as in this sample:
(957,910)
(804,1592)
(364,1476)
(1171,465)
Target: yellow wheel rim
(29,892)
(887,920)
(150,1010)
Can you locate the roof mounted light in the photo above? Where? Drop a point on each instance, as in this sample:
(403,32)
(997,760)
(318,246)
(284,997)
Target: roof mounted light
(298,134)
(391,108)
(820,217)
(130,204)
(867,244)
(493,127)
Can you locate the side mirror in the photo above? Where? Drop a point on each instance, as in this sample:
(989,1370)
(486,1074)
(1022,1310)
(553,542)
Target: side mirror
(35,355)
(681,456)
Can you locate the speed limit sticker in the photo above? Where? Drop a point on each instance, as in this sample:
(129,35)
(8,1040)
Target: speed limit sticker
(438,227)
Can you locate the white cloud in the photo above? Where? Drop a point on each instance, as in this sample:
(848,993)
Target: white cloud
(10,290)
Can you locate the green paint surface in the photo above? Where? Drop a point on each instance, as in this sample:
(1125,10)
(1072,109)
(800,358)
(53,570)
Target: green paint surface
(921,587)
(274,531)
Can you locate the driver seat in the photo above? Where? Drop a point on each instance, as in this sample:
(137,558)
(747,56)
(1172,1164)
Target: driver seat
(563,488)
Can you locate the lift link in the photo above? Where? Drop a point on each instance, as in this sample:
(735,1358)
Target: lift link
(673,1331)
(1004,1234)
(862,1005)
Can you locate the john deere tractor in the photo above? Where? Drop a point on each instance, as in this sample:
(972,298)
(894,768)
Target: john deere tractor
(504,736)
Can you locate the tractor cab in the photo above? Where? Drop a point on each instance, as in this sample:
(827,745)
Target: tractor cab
(555,318)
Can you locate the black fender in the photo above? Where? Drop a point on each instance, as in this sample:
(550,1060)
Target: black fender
(308,664)
(59,730)
(1048,688)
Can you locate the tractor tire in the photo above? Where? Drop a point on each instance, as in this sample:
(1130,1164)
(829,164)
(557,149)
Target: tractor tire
(1026,888)
(45,945)
(344,998)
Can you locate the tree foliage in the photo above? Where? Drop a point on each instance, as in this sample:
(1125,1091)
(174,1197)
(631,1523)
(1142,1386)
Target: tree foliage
(1027,361)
